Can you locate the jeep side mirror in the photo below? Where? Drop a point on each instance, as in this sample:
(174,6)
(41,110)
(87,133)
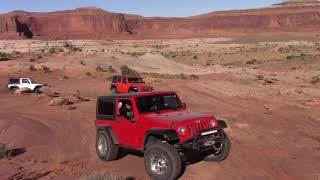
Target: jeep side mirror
(129,115)
(184,105)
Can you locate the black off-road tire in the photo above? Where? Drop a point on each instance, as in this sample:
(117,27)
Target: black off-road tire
(174,162)
(111,153)
(114,90)
(37,90)
(224,152)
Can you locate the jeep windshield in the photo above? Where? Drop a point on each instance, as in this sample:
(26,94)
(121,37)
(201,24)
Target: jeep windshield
(157,103)
(135,80)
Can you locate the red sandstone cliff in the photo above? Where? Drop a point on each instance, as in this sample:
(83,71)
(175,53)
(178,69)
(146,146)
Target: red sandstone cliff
(98,24)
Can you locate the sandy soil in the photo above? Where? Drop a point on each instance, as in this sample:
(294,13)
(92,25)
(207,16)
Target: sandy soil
(262,89)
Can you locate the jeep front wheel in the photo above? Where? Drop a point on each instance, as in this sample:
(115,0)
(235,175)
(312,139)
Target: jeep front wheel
(162,161)
(220,150)
(106,149)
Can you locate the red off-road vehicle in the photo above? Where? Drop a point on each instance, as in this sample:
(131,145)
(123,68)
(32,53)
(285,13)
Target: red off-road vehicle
(158,125)
(128,84)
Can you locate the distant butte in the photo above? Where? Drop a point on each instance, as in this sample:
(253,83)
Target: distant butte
(95,23)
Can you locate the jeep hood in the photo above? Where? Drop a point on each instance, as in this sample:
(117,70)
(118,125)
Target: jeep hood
(179,116)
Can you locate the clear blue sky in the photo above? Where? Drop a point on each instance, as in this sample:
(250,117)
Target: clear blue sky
(141,7)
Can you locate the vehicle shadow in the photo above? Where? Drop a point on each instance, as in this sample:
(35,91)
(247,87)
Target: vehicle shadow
(123,152)
(11,153)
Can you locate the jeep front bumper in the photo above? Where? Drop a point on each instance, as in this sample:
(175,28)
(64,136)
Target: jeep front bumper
(202,141)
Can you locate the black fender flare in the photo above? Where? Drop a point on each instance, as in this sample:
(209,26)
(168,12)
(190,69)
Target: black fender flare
(113,86)
(222,124)
(109,130)
(166,134)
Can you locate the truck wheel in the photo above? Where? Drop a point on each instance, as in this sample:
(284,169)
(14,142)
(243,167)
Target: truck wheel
(37,90)
(162,161)
(114,90)
(106,149)
(221,152)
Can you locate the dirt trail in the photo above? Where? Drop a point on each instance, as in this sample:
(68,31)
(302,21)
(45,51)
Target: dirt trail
(263,91)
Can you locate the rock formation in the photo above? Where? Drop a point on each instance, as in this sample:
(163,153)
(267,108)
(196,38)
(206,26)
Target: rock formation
(92,23)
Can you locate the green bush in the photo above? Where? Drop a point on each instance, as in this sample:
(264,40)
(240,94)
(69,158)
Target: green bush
(125,70)
(4,56)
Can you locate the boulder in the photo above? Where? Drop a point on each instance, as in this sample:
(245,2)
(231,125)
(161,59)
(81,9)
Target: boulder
(48,91)
(59,101)
(24,90)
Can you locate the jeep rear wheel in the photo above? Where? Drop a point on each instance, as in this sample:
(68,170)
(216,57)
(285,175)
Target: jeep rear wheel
(37,90)
(220,151)
(106,149)
(162,161)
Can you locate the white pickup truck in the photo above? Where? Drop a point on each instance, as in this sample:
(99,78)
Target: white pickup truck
(18,83)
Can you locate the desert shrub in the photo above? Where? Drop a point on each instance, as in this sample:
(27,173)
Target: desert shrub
(315,79)
(32,60)
(45,69)
(4,56)
(75,49)
(195,57)
(253,61)
(71,47)
(194,77)
(182,76)
(32,68)
(290,57)
(158,46)
(101,69)
(88,73)
(111,69)
(260,77)
(109,78)
(52,50)
(102,176)
(125,70)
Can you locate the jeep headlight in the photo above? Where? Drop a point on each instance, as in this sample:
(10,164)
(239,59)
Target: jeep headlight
(181,129)
(213,123)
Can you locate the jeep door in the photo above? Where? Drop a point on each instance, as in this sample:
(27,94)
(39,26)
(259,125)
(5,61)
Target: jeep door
(25,83)
(123,85)
(127,128)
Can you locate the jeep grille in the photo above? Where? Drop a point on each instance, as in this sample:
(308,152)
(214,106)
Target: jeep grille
(196,128)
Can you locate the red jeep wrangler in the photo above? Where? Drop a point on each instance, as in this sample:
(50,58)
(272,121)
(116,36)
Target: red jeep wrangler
(158,125)
(128,84)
